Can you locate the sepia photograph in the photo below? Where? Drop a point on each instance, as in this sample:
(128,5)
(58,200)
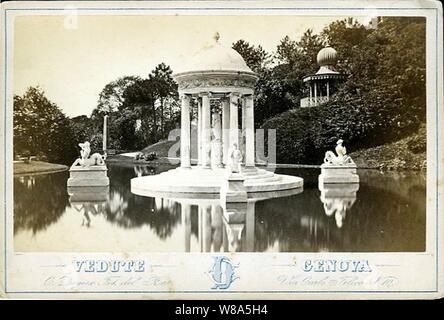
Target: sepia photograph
(222,134)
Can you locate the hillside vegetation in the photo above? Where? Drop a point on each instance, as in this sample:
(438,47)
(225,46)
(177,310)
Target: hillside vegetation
(406,154)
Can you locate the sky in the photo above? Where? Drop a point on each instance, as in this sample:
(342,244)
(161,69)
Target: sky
(73,60)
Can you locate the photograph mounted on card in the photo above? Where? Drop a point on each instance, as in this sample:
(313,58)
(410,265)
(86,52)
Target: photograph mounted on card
(221,150)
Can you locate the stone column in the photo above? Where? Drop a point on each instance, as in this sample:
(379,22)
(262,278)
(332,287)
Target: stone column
(243,133)
(206,131)
(234,121)
(225,130)
(199,132)
(249,132)
(185,159)
(216,143)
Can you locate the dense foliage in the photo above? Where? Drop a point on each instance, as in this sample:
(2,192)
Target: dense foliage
(41,129)
(370,119)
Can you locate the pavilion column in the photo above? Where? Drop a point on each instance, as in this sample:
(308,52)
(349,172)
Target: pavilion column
(225,130)
(328,90)
(199,132)
(316,93)
(249,132)
(234,121)
(185,159)
(206,131)
(311,95)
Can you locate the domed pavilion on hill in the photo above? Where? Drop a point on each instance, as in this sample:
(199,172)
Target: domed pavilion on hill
(323,84)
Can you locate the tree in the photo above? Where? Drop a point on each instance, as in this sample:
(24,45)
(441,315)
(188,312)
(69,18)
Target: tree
(40,127)
(164,89)
(141,110)
(111,97)
(256,58)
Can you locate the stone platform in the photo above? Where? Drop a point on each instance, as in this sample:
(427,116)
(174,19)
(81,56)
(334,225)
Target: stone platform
(207,182)
(338,174)
(88,176)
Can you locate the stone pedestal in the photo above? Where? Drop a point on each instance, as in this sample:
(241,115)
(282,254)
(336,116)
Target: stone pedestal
(88,176)
(338,174)
(233,189)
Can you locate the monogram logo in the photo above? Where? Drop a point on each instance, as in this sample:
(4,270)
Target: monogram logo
(223,272)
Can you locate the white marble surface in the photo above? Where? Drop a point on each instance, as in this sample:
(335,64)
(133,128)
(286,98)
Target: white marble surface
(202,181)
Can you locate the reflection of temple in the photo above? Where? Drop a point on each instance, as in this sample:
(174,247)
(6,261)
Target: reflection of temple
(218,231)
(28,181)
(143,170)
(337,199)
(323,84)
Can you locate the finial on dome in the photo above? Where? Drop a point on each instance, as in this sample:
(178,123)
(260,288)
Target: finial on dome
(327,56)
(216,36)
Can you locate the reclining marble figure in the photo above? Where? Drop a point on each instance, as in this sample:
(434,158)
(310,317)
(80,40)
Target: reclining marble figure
(85,160)
(338,168)
(341,159)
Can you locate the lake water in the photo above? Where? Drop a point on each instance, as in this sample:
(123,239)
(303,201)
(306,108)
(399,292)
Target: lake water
(387,213)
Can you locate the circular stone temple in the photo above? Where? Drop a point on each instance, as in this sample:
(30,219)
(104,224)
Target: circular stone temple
(219,86)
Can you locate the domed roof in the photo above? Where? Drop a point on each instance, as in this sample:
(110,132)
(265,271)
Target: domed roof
(327,56)
(216,57)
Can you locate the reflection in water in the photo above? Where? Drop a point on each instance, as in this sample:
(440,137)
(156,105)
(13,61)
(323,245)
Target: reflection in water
(88,201)
(337,199)
(386,214)
(39,201)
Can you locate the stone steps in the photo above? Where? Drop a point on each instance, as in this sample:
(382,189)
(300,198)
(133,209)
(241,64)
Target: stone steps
(208,182)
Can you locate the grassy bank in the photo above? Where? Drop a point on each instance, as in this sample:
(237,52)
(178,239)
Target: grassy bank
(160,148)
(406,154)
(38,167)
